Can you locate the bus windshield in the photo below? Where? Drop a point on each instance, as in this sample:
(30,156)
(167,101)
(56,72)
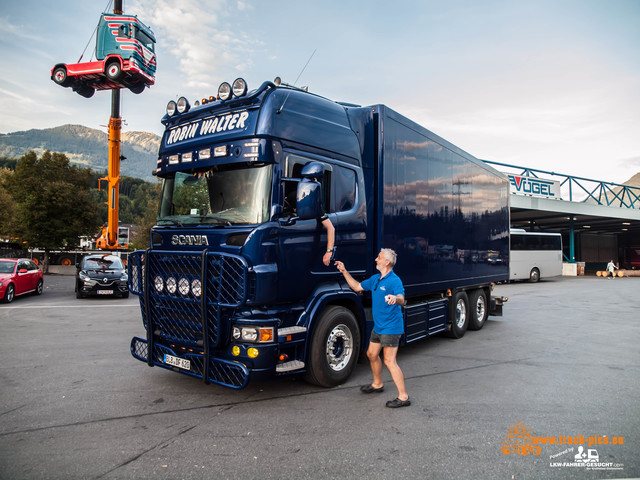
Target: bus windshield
(224,195)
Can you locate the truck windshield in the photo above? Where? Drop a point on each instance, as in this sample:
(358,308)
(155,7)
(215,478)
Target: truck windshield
(224,195)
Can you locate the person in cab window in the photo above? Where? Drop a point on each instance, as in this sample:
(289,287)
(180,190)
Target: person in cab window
(315,171)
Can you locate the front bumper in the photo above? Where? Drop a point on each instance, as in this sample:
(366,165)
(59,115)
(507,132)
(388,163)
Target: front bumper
(227,373)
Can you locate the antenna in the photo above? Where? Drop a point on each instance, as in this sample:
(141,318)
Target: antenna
(294,83)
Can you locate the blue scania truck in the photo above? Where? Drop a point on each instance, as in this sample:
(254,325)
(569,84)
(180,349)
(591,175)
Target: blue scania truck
(233,287)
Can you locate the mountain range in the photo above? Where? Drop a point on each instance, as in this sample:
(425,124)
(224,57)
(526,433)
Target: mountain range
(87,147)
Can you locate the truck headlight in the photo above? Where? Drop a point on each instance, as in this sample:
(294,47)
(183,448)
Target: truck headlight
(245,333)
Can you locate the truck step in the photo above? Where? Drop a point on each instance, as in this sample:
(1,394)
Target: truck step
(289,366)
(291,330)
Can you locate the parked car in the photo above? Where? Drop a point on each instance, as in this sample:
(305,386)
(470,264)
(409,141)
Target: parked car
(101,275)
(19,276)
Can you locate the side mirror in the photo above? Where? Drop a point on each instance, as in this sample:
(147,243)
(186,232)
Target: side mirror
(22,270)
(308,200)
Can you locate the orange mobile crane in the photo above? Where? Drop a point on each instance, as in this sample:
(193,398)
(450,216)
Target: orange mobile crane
(129,62)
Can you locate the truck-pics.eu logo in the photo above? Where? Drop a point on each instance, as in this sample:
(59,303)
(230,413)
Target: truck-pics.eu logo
(520,440)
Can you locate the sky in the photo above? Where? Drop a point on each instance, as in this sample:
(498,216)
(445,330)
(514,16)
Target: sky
(552,85)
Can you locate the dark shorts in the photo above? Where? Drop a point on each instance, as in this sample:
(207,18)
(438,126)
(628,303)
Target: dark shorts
(385,340)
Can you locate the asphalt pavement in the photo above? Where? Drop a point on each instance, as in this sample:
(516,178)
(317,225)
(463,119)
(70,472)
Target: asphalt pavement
(561,365)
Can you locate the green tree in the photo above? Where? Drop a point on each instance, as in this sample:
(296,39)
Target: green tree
(146,200)
(7,206)
(53,204)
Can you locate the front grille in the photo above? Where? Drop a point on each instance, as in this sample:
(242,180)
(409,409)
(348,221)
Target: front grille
(177,299)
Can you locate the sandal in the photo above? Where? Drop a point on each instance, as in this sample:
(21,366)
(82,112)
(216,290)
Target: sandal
(397,403)
(371,389)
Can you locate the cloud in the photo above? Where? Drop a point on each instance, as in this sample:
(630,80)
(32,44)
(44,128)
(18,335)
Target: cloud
(198,34)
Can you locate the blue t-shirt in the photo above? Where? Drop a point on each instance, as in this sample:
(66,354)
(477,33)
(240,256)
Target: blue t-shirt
(387,319)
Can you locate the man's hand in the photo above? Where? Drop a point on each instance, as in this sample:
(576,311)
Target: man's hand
(340,266)
(327,258)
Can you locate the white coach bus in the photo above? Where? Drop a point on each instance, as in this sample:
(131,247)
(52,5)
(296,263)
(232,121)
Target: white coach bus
(534,255)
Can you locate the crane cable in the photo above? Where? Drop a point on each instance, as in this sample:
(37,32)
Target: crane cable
(94,32)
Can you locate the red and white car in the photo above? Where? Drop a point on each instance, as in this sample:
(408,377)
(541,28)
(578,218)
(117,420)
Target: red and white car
(19,276)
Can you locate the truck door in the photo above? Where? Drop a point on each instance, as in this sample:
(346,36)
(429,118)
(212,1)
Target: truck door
(303,243)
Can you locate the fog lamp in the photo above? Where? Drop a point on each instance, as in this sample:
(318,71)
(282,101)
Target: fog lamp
(183,105)
(253,352)
(171,108)
(235,350)
(224,91)
(239,87)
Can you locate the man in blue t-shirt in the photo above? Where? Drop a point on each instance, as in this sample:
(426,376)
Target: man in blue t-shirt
(387,297)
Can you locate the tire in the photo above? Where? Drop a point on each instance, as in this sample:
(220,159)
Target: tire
(113,71)
(458,315)
(60,76)
(478,308)
(137,88)
(534,275)
(66,260)
(86,92)
(9,294)
(39,288)
(125,295)
(335,347)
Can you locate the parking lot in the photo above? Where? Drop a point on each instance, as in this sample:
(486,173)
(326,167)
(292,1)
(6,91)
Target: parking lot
(564,361)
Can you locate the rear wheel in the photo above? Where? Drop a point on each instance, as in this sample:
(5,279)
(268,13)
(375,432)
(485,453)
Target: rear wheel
(86,91)
(334,347)
(534,275)
(478,309)
(459,315)
(9,294)
(137,88)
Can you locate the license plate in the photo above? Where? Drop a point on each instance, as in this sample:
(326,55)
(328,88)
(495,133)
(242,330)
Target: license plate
(105,292)
(177,362)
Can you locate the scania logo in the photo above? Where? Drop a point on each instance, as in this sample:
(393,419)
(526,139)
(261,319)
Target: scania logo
(189,240)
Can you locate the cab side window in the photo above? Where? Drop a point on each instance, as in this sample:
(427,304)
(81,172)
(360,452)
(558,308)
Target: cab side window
(344,188)
(338,185)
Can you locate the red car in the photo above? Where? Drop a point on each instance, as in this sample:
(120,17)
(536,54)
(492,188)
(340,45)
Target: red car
(17,277)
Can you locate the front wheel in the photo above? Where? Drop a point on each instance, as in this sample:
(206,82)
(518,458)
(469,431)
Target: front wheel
(335,347)
(9,294)
(60,76)
(39,288)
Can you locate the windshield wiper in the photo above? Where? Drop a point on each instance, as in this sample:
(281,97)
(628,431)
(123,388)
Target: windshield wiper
(217,219)
(171,220)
